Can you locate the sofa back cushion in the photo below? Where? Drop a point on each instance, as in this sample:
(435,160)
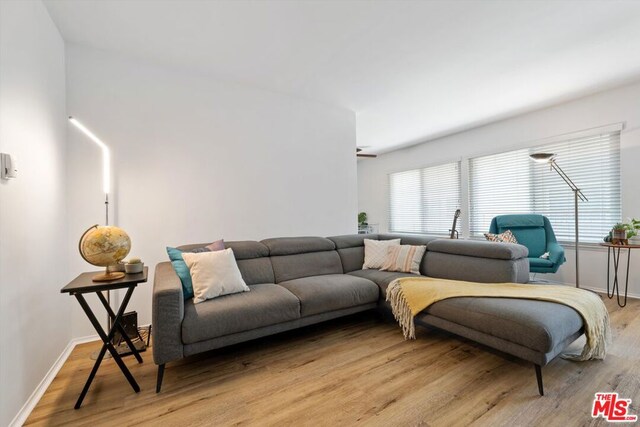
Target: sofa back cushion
(410,239)
(351,247)
(252,258)
(414,240)
(296,257)
(351,250)
(297,245)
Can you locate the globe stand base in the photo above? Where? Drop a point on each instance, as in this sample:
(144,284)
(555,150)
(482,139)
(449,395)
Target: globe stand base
(108,276)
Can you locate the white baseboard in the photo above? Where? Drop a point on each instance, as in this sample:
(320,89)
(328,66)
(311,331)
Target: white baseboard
(37,394)
(600,290)
(604,291)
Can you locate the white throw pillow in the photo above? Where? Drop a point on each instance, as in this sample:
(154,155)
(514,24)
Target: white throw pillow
(375,252)
(214,274)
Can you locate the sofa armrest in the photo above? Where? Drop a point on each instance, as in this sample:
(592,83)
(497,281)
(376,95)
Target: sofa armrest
(479,249)
(556,253)
(167,314)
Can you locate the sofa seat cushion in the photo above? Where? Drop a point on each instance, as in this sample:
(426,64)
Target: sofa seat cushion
(329,292)
(266,304)
(538,325)
(380,278)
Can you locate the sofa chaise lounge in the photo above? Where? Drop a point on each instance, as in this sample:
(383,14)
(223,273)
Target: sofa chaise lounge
(298,281)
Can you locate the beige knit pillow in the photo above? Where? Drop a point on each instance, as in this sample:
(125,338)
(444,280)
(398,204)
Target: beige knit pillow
(375,252)
(404,258)
(214,274)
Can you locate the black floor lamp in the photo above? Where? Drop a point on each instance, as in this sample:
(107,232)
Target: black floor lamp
(550,158)
(106,183)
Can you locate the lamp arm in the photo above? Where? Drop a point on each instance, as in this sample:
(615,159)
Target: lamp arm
(568,181)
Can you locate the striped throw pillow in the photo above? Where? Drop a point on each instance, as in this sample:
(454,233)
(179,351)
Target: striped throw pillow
(404,258)
(506,237)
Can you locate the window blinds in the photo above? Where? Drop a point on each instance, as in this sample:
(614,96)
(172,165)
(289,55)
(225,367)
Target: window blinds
(424,200)
(511,183)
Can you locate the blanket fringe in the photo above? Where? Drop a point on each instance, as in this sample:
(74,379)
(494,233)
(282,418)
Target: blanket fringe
(401,310)
(594,349)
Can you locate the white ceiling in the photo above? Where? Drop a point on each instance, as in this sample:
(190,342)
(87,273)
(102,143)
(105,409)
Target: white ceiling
(411,70)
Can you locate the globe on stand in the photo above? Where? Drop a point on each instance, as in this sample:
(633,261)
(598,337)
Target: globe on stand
(105,246)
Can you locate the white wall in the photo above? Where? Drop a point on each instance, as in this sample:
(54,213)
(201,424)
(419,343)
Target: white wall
(34,316)
(618,105)
(196,159)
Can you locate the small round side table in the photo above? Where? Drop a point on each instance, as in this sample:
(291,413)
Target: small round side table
(615,288)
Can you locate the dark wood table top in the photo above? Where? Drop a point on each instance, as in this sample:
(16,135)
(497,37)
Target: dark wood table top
(84,283)
(611,245)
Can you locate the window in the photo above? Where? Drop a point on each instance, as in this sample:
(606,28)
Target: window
(424,200)
(511,183)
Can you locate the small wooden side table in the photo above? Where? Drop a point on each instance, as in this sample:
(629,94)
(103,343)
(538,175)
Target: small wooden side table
(615,251)
(83,285)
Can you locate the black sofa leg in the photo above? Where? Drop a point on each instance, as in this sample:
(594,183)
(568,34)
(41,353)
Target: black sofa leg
(539,378)
(161,374)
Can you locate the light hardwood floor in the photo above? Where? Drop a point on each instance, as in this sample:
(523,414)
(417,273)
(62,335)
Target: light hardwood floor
(357,370)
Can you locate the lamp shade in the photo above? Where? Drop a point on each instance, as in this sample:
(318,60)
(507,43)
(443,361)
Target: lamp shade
(542,157)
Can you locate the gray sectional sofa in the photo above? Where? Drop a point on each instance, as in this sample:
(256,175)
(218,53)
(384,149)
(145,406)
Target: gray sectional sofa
(298,281)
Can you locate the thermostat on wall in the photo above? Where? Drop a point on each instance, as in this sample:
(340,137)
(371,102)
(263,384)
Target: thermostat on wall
(8,168)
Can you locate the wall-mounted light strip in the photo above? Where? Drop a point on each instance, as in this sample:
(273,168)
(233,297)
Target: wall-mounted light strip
(106,155)
(106,163)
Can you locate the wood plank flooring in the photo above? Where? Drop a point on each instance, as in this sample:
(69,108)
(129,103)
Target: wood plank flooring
(353,371)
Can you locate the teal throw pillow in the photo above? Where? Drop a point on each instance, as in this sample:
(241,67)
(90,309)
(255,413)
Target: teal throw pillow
(175,255)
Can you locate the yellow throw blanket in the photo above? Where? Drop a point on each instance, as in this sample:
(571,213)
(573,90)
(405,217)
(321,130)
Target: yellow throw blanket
(409,296)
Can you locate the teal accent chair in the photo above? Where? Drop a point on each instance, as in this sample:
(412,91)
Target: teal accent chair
(534,232)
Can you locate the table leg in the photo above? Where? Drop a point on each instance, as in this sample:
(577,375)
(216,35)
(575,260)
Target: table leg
(609,272)
(615,288)
(85,389)
(106,339)
(626,284)
(112,315)
(616,263)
